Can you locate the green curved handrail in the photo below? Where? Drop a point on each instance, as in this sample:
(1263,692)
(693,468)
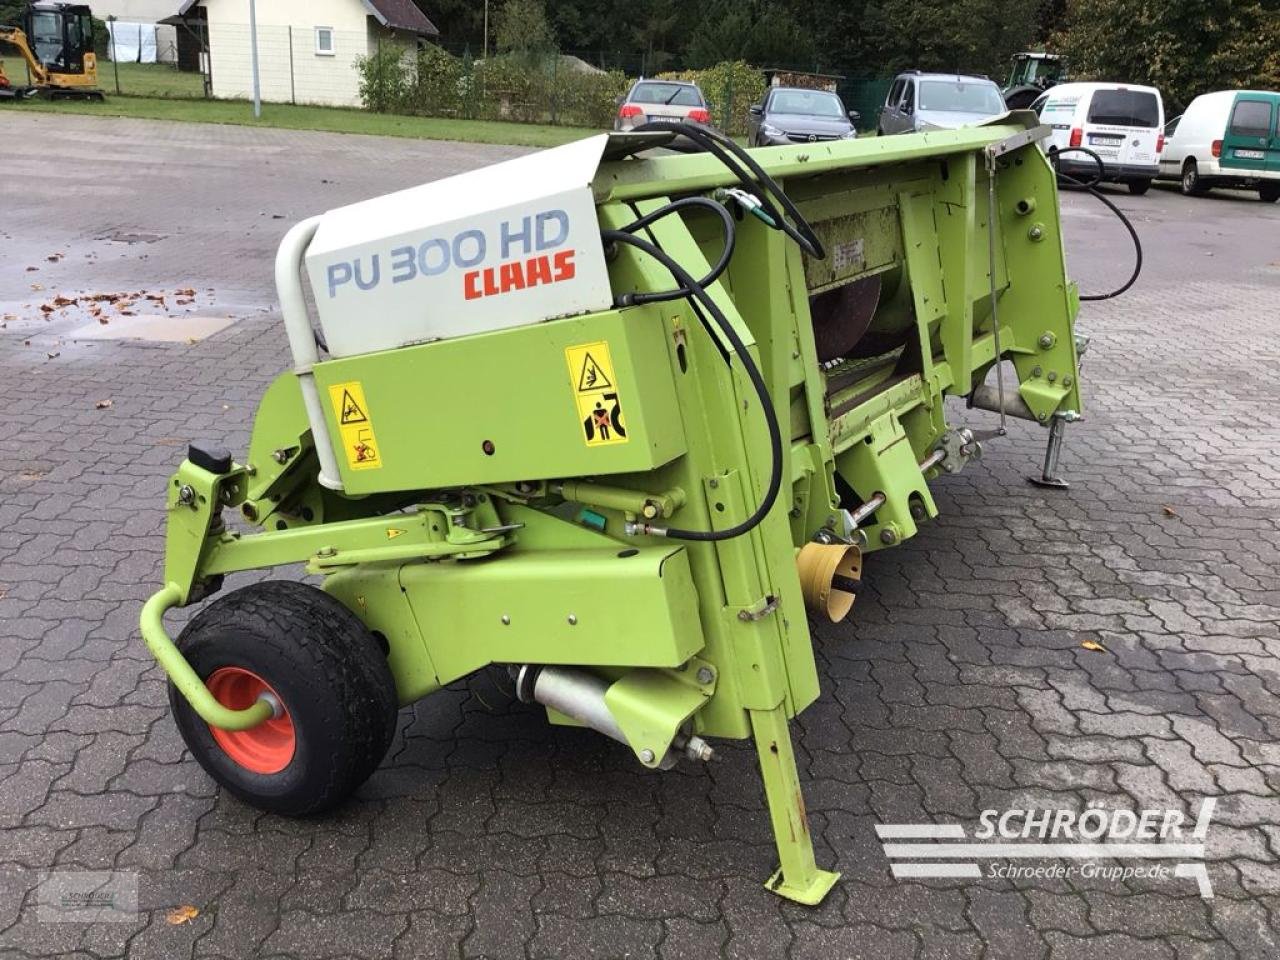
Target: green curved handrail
(183,676)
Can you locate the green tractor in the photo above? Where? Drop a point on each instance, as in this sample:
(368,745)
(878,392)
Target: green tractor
(1031,75)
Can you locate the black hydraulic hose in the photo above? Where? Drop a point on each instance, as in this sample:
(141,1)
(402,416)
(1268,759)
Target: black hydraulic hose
(717,144)
(695,290)
(1069,182)
(730,234)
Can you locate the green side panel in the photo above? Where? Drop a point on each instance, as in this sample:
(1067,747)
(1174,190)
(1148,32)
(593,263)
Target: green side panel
(437,409)
(372,592)
(581,607)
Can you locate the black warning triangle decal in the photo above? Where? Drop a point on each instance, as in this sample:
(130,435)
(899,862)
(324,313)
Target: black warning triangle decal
(351,412)
(592,376)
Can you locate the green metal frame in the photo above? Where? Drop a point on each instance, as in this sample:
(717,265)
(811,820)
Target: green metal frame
(501,537)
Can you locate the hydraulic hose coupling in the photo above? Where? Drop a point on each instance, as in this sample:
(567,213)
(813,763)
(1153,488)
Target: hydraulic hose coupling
(747,201)
(634,529)
(830,575)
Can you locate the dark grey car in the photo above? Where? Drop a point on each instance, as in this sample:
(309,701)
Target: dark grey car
(797,115)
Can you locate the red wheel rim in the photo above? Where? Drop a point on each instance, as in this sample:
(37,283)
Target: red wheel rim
(266,748)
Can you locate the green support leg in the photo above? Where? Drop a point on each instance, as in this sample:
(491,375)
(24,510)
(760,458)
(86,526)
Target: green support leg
(798,877)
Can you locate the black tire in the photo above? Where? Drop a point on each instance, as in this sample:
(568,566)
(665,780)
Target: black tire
(1269,192)
(1192,185)
(331,677)
(1139,187)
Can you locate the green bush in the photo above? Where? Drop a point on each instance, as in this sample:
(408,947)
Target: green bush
(730,88)
(385,79)
(517,87)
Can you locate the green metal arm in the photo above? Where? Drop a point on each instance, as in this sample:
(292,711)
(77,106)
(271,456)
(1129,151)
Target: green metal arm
(186,679)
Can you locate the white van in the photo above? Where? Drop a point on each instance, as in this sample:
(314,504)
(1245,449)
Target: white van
(1121,122)
(1226,139)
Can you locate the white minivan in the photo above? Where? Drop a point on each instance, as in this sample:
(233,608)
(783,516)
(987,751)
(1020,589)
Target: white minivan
(1121,122)
(1230,138)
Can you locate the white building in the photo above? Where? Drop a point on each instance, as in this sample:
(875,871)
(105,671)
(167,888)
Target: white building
(307,49)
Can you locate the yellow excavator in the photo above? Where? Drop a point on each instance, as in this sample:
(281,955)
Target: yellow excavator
(55,44)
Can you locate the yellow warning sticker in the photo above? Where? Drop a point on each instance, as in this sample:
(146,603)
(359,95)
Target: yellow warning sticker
(355,424)
(596,394)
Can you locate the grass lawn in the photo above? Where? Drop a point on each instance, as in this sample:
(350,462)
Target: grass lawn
(156,92)
(149,80)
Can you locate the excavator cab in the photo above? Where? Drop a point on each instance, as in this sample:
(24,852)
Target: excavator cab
(61,36)
(56,43)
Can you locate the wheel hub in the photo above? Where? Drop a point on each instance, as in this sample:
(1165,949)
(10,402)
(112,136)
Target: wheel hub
(267,748)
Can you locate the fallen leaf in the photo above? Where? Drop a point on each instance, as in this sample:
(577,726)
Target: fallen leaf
(103,320)
(192,340)
(102,405)
(54,356)
(33,269)
(54,257)
(37,286)
(1094,645)
(46,308)
(181,915)
(185,292)
(1170,512)
(61,301)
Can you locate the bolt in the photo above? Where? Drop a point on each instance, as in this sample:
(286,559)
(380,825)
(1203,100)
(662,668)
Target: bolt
(705,675)
(650,510)
(1036,371)
(888,536)
(280,456)
(1067,381)
(646,756)
(1053,375)
(573,619)
(1046,341)
(713,483)
(506,620)
(327,552)
(186,494)
(919,513)
(1035,233)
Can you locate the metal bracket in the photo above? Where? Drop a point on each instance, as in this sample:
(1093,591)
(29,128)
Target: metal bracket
(759,610)
(1016,142)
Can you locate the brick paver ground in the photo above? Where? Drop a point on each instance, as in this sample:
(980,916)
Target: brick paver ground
(959,684)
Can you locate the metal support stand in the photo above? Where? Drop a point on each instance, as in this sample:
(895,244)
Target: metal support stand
(798,876)
(1052,451)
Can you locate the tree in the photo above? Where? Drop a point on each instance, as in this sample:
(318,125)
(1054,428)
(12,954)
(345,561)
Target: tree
(523,29)
(1182,47)
(758,31)
(11,12)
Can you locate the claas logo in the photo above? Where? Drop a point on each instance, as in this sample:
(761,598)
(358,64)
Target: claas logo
(525,252)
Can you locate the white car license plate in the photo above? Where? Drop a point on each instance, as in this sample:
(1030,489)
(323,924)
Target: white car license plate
(1105,140)
(1251,154)
(654,117)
